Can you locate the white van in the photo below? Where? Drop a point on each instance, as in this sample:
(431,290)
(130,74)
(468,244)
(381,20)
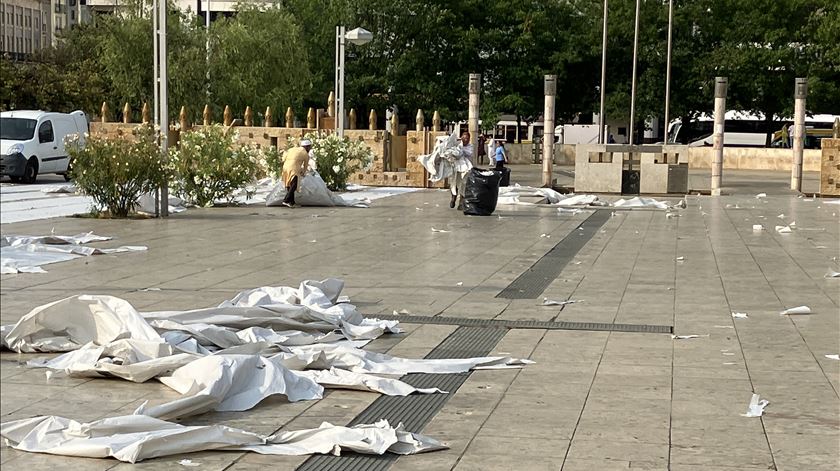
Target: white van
(32,142)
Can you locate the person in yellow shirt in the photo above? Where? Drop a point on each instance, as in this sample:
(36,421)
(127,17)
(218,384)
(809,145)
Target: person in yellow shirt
(295,163)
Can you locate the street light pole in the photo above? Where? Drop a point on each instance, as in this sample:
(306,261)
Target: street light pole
(358,36)
(601,116)
(207,46)
(162,103)
(635,64)
(668,70)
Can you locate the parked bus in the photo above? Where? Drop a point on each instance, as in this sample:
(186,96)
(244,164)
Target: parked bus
(743,129)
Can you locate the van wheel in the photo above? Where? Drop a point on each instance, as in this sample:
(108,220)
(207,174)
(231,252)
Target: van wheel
(30,172)
(15,179)
(66,174)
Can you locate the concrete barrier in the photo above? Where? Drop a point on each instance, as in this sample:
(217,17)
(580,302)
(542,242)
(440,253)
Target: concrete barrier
(753,158)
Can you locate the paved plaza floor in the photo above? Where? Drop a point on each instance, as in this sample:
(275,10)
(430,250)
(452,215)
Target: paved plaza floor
(594,399)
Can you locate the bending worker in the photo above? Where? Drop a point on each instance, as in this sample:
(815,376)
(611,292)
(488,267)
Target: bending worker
(295,163)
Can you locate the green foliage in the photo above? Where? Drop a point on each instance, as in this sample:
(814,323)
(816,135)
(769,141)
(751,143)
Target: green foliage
(209,165)
(337,159)
(116,172)
(272,162)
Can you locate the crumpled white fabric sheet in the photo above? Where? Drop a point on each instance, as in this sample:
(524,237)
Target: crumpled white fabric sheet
(230,383)
(135,438)
(446,159)
(511,196)
(323,356)
(640,202)
(313,191)
(26,254)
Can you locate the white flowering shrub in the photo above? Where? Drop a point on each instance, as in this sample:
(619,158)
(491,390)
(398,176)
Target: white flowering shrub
(115,172)
(272,161)
(337,159)
(210,165)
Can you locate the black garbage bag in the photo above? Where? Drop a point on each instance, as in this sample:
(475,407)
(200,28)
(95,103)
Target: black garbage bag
(481,192)
(505,180)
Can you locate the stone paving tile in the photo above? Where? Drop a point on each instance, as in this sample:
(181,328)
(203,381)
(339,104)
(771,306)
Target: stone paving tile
(593,400)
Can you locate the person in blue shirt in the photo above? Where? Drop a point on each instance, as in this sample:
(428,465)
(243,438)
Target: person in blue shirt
(501,155)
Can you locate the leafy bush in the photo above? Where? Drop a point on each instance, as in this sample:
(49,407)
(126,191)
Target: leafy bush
(336,158)
(115,172)
(272,161)
(210,165)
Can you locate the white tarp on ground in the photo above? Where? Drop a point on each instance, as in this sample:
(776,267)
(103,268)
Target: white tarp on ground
(227,358)
(26,254)
(135,438)
(312,191)
(511,195)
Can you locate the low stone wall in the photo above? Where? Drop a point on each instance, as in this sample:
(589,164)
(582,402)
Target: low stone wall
(564,154)
(830,168)
(753,158)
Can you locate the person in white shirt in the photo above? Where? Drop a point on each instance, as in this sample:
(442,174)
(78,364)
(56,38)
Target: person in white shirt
(463,164)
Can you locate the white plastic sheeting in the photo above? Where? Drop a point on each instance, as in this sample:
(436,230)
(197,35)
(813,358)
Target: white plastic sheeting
(135,438)
(227,358)
(26,254)
(313,191)
(445,159)
(511,195)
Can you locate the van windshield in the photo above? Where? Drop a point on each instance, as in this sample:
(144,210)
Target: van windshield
(17,129)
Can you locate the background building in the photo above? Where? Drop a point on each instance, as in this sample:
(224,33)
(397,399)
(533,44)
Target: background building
(26,26)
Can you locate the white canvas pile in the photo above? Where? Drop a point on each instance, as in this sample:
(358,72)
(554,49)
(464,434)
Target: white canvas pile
(639,202)
(512,195)
(445,159)
(313,191)
(134,438)
(266,341)
(26,254)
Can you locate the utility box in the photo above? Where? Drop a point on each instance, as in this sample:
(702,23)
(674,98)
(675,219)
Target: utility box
(830,168)
(643,169)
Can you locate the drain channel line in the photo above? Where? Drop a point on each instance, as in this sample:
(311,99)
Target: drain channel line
(525,324)
(416,410)
(531,283)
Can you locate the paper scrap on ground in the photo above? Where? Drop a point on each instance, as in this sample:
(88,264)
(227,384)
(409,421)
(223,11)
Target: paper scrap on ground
(551,302)
(832,274)
(833,356)
(686,337)
(758,228)
(761,195)
(188,463)
(740,315)
(135,438)
(784,229)
(443,231)
(640,202)
(796,310)
(756,407)
(26,254)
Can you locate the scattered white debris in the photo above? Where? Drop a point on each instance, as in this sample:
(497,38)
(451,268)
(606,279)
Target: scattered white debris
(418,209)
(150,289)
(781,216)
(728,354)
(680,259)
(313,241)
(783,229)
(26,254)
(671,215)
(342,299)
(834,356)
(832,274)
(551,302)
(460,283)
(686,337)
(188,463)
(756,407)
(401,312)
(761,195)
(758,228)
(442,231)
(724,327)
(569,211)
(545,236)
(793,224)
(796,310)
(729,363)
(740,315)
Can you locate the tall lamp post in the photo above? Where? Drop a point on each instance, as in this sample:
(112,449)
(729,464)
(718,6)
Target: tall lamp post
(668,70)
(358,36)
(601,117)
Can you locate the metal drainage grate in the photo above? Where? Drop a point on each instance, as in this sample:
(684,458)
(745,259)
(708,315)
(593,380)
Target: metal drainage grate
(416,410)
(531,283)
(514,324)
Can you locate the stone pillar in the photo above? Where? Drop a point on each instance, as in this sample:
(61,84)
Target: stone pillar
(310,119)
(351,119)
(290,118)
(419,121)
(799,93)
(126,113)
(835,133)
(548,130)
(207,116)
(269,118)
(717,133)
(372,120)
(249,116)
(436,122)
(474,90)
(146,114)
(227,116)
(331,105)
(104,112)
(395,124)
(182,119)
